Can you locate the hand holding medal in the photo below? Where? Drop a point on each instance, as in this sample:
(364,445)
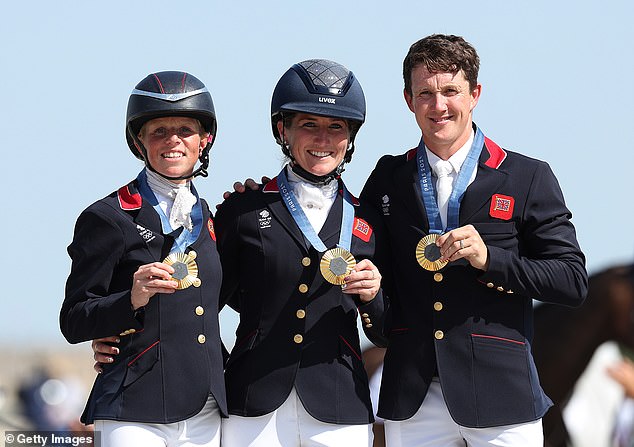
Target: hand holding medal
(429,255)
(150,279)
(464,242)
(365,281)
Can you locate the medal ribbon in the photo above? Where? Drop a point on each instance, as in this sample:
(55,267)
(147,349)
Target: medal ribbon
(185,238)
(428,190)
(347,218)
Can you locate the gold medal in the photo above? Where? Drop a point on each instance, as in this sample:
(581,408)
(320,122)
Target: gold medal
(185,269)
(336,264)
(428,254)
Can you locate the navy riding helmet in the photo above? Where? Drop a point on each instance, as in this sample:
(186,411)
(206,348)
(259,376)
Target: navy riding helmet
(170,93)
(319,87)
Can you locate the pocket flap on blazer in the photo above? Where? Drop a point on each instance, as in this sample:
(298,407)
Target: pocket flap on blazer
(141,363)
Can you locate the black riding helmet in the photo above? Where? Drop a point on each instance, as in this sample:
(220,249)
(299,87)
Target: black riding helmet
(319,87)
(170,93)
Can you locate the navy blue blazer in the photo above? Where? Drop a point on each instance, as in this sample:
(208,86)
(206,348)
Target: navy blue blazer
(473,329)
(170,352)
(295,328)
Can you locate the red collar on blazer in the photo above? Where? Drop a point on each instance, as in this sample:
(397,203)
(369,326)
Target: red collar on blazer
(212,230)
(129,199)
(272,186)
(496,154)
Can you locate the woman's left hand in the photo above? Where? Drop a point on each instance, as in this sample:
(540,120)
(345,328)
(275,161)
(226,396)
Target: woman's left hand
(365,281)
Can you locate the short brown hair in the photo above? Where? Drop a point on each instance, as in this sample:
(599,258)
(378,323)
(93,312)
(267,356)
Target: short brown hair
(441,53)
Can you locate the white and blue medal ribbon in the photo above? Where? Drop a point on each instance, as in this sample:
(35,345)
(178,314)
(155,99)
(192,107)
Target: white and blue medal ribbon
(427,253)
(186,269)
(336,263)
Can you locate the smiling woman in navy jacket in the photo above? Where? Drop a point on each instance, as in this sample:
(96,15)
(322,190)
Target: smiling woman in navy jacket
(297,259)
(145,266)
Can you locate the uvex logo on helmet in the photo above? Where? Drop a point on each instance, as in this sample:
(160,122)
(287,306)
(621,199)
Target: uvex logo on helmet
(318,87)
(324,88)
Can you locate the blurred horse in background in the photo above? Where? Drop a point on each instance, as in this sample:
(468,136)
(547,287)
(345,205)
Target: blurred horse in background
(566,339)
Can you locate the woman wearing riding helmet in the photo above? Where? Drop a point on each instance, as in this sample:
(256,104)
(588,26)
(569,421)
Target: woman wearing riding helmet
(145,266)
(297,262)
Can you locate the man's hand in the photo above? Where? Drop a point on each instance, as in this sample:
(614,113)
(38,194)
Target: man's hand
(464,242)
(242,187)
(103,352)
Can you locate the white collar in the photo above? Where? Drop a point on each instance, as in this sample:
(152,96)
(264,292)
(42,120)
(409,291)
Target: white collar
(315,200)
(161,185)
(175,199)
(328,190)
(457,159)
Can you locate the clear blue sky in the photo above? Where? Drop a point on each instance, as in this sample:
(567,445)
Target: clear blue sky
(557,85)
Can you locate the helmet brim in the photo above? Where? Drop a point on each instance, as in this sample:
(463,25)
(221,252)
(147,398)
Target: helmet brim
(324,109)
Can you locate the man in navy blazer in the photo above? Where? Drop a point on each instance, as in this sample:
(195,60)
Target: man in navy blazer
(466,268)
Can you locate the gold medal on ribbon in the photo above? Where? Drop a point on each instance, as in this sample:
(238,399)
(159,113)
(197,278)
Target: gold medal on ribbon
(336,264)
(428,254)
(185,269)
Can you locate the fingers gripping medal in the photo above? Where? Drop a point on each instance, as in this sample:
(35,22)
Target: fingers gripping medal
(428,254)
(336,264)
(185,269)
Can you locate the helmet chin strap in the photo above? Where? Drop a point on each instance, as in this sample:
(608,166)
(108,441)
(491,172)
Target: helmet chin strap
(312,178)
(315,179)
(201,171)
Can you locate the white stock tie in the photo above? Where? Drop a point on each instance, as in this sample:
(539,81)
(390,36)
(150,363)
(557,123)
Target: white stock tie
(444,185)
(180,214)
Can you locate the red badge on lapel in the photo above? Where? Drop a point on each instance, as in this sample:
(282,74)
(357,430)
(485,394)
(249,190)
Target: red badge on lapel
(502,206)
(362,229)
(210,227)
